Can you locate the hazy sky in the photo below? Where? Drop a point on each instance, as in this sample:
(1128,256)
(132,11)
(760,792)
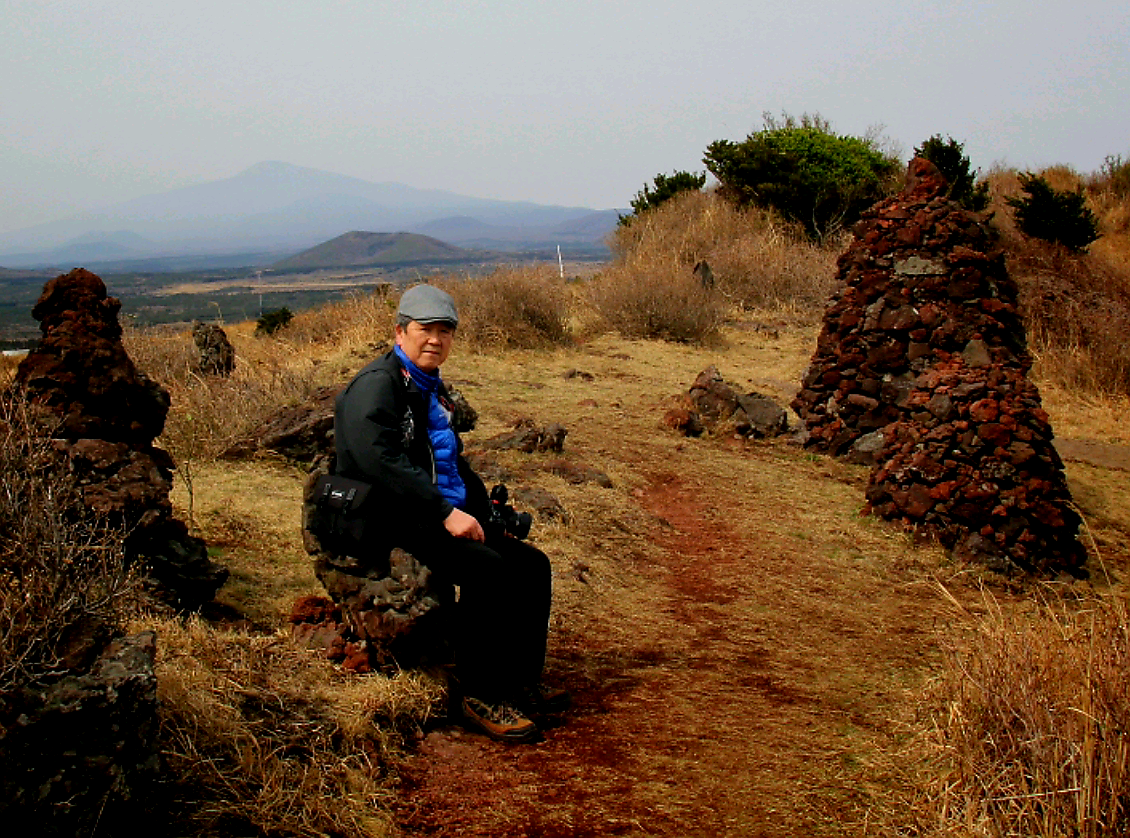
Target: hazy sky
(572,102)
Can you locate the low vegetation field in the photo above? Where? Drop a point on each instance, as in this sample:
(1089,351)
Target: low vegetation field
(748,654)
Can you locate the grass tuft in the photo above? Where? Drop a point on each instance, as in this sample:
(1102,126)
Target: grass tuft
(267,739)
(1033,721)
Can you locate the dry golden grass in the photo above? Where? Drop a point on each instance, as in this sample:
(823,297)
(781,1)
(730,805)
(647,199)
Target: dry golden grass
(267,739)
(650,289)
(787,500)
(1076,305)
(8,366)
(511,308)
(1033,710)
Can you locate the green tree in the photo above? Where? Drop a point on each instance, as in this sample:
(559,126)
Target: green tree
(805,171)
(272,321)
(949,156)
(1054,215)
(666,187)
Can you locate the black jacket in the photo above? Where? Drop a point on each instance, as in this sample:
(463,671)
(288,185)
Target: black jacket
(381,437)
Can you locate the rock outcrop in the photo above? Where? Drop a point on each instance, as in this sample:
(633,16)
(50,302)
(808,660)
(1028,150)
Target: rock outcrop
(386,609)
(921,368)
(715,405)
(103,416)
(82,748)
(217,355)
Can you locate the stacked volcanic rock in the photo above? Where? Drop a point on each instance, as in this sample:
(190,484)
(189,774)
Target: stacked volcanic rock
(217,355)
(103,416)
(385,610)
(713,403)
(923,344)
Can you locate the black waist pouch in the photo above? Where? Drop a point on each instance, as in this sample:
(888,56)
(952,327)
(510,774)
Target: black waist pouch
(342,515)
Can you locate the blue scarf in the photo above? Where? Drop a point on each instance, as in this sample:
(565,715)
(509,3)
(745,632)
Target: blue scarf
(445,446)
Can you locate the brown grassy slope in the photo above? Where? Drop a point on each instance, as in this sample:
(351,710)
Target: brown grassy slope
(1076,305)
(727,602)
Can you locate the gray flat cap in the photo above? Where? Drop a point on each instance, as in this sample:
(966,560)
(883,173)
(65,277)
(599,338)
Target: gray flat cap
(427,304)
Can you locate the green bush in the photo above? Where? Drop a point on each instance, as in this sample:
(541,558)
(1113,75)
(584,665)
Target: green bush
(949,156)
(1054,215)
(272,321)
(665,189)
(804,171)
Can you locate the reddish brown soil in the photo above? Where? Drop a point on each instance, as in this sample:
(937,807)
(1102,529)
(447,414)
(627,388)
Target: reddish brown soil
(759,683)
(1101,454)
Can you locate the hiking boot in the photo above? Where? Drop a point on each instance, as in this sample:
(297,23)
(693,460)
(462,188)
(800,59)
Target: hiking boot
(502,720)
(543,699)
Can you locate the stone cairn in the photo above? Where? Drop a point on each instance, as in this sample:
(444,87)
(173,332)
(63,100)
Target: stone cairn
(103,415)
(217,355)
(921,369)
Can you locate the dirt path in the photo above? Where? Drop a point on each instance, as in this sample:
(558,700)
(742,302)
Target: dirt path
(757,683)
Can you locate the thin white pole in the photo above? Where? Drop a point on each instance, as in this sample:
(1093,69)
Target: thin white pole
(560,263)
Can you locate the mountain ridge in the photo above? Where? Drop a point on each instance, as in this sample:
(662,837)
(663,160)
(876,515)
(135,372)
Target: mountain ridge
(271,206)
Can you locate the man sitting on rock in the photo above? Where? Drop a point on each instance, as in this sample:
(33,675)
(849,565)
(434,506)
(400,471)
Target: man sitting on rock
(392,428)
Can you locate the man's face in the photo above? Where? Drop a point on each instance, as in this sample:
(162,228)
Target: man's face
(427,345)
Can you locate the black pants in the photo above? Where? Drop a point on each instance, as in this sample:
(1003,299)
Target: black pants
(501,619)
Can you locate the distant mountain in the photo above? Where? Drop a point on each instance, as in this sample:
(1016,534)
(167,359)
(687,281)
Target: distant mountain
(360,249)
(589,228)
(270,207)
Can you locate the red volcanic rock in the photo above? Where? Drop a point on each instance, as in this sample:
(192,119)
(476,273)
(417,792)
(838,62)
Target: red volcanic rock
(80,369)
(923,340)
(103,415)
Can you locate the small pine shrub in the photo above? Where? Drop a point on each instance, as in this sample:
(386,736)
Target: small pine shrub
(665,189)
(949,156)
(1053,215)
(273,321)
(804,171)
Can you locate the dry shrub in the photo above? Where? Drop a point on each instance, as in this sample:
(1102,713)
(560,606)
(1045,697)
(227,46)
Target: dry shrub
(355,320)
(62,574)
(1076,306)
(662,301)
(512,308)
(208,413)
(1035,730)
(8,366)
(1076,309)
(268,739)
(756,261)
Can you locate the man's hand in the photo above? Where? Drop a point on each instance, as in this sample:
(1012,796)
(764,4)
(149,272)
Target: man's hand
(462,525)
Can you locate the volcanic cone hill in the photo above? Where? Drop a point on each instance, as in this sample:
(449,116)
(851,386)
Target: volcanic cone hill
(360,249)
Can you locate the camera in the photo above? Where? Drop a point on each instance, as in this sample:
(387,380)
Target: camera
(503,518)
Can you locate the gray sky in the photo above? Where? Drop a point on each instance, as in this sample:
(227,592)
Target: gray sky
(574,102)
